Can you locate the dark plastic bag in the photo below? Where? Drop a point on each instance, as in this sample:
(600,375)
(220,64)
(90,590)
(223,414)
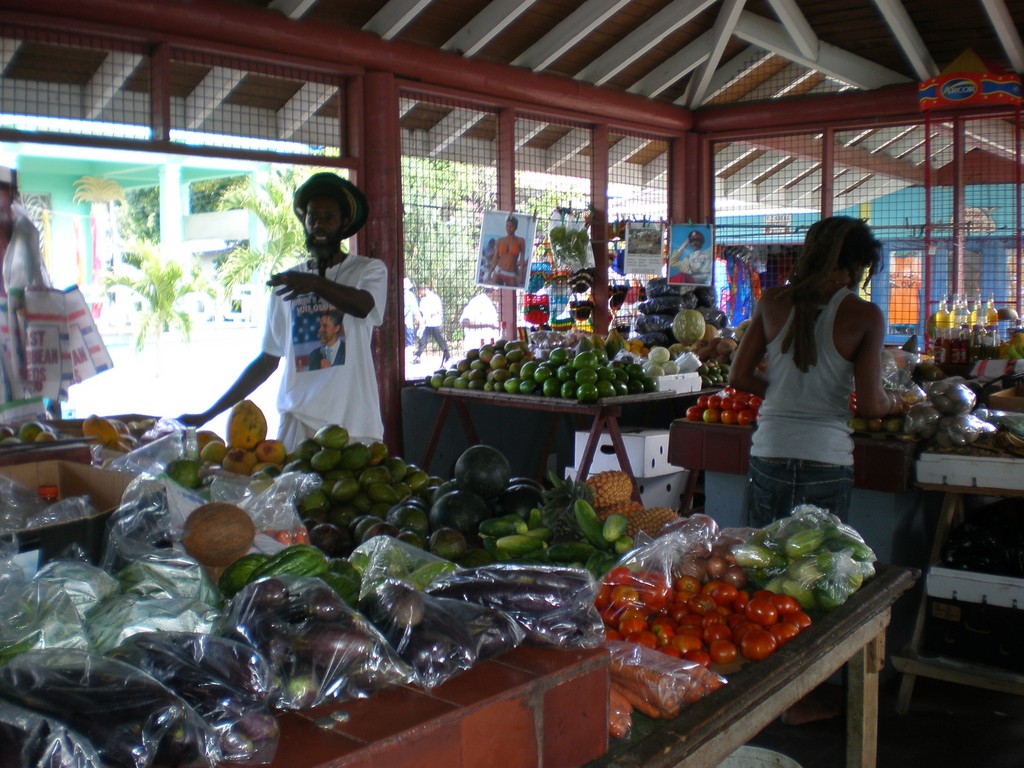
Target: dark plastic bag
(31,740)
(132,719)
(654,323)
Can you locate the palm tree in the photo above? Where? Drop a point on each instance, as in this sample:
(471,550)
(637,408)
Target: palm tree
(161,284)
(269,199)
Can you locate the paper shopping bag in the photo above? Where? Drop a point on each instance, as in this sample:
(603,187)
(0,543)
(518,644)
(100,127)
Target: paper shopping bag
(47,368)
(86,350)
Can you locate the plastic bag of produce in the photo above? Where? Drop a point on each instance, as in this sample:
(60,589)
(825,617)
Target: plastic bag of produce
(32,740)
(12,575)
(960,430)
(84,584)
(130,718)
(655,683)
(654,324)
(438,637)
(554,605)
(168,574)
(666,305)
(921,421)
(660,286)
(951,396)
(319,648)
(39,615)
(385,557)
(275,512)
(121,616)
(140,525)
(228,683)
(811,555)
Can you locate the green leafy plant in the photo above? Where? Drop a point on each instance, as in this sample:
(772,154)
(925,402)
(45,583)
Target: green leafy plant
(570,245)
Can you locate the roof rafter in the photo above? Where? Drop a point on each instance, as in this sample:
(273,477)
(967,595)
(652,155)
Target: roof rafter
(674,68)
(909,40)
(451,127)
(302,106)
(210,94)
(566,148)
(797,27)
(725,22)
(831,60)
(1006,31)
(564,35)
(486,25)
(293,9)
(395,16)
(634,45)
(107,81)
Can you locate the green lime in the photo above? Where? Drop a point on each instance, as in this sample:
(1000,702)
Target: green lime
(605,388)
(586,393)
(543,373)
(569,390)
(621,388)
(526,386)
(650,385)
(604,373)
(461,383)
(558,356)
(552,387)
(586,376)
(634,370)
(476,385)
(635,386)
(529,369)
(566,373)
(585,360)
(512,385)
(620,374)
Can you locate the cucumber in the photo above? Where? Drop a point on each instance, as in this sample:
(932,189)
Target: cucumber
(518,545)
(570,552)
(541,532)
(238,574)
(589,523)
(506,525)
(296,560)
(614,526)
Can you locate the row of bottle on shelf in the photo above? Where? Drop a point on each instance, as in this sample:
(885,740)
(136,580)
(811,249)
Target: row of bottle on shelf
(966,330)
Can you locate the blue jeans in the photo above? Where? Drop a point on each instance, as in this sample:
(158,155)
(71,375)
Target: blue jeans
(775,486)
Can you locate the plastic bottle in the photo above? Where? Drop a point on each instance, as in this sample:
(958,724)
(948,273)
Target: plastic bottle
(991,313)
(190,446)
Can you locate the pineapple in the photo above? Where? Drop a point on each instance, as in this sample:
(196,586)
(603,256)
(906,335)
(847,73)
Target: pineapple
(557,510)
(610,487)
(627,508)
(650,520)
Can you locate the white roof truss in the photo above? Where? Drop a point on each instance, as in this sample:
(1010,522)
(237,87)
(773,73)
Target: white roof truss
(564,35)
(293,9)
(909,40)
(634,45)
(107,81)
(566,148)
(395,16)
(486,25)
(302,106)
(210,94)
(452,127)
(675,67)
(1006,30)
(725,22)
(796,25)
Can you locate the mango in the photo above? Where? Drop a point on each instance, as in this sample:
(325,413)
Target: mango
(247,426)
(96,428)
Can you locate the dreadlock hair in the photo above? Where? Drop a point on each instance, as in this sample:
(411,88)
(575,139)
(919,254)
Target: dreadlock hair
(838,242)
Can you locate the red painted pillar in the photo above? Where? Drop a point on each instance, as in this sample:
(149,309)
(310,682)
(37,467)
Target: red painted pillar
(599,224)
(381,238)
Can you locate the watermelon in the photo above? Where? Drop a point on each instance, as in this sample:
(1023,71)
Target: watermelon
(483,470)
(462,510)
(688,326)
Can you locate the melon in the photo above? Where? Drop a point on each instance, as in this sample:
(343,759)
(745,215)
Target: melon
(688,326)
(218,533)
(483,470)
(462,510)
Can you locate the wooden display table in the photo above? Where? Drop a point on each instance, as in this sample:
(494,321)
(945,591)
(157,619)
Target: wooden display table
(913,665)
(706,732)
(602,415)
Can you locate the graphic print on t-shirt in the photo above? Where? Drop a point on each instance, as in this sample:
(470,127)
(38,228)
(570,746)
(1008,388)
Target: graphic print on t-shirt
(318,334)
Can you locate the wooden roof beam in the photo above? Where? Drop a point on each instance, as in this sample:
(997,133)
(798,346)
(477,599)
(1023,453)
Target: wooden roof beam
(486,25)
(395,16)
(1006,30)
(909,40)
(567,33)
(721,32)
(107,81)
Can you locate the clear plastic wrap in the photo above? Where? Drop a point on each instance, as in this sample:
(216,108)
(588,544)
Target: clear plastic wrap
(140,525)
(165,444)
(84,584)
(385,557)
(656,684)
(168,574)
(319,647)
(922,421)
(438,637)
(951,396)
(960,430)
(39,615)
(131,719)
(553,604)
(117,618)
(12,575)
(31,740)
(811,555)
(274,511)
(228,683)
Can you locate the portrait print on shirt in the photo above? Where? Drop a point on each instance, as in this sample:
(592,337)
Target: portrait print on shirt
(318,334)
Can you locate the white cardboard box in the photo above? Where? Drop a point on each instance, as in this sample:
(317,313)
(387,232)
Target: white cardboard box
(679,382)
(660,491)
(973,587)
(970,471)
(647,450)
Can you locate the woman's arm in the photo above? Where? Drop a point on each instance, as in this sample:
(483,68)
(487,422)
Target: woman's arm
(744,373)
(873,400)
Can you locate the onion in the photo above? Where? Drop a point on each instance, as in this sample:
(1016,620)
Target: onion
(716,566)
(736,576)
(694,566)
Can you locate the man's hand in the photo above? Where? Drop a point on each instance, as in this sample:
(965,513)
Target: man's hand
(293,283)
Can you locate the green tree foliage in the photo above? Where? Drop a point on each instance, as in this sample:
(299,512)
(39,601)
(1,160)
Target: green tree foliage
(140,215)
(161,284)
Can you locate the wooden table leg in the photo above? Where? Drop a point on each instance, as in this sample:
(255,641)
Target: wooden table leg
(862,704)
(435,434)
(612,423)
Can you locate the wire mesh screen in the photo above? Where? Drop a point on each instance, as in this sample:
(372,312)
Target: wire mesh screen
(879,175)
(449,180)
(637,192)
(767,193)
(73,85)
(552,184)
(240,105)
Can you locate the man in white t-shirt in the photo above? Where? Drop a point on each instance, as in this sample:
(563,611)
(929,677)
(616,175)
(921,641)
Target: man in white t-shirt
(355,288)
(432,312)
(479,320)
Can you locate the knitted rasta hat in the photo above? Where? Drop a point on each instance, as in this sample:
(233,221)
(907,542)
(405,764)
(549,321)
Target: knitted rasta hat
(354,208)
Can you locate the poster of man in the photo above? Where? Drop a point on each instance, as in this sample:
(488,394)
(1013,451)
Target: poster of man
(690,255)
(506,246)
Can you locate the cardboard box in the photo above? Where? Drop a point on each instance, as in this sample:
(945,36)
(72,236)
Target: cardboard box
(994,472)
(974,587)
(661,491)
(103,487)
(647,450)
(1007,399)
(679,382)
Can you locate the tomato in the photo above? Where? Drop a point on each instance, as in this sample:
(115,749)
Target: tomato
(758,644)
(686,584)
(741,628)
(694,413)
(611,634)
(740,603)
(623,595)
(784,631)
(631,626)
(715,401)
(694,630)
(761,611)
(684,642)
(698,657)
(671,650)
(702,401)
(741,401)
(730,416)
(645,637)
(620,574)
(700,605)
(662,621)
(712,416)
(756,401)
(604,596)
(746,417)
(727,404)
(727,391)
(712,617)
(722,651)
(655,591)
(717,632)
(785,604)
(800,618)
(678,612)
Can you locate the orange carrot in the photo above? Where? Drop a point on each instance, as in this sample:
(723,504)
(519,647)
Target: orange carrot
(638,701)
